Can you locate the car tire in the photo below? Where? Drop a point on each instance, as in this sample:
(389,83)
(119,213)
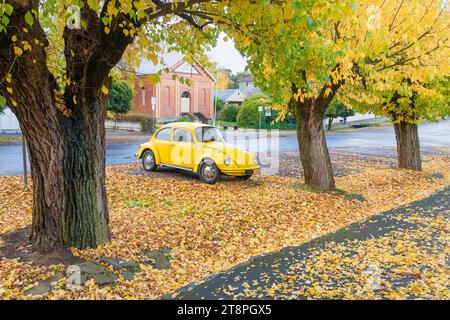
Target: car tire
(149,161)
(208,172)
(247,177)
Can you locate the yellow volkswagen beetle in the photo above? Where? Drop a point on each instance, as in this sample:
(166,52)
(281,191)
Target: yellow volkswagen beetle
(197,148)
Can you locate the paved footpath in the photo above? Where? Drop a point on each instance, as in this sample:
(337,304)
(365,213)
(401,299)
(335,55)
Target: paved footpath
(399,254)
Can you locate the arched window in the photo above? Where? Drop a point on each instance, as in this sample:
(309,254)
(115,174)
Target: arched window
(186,95)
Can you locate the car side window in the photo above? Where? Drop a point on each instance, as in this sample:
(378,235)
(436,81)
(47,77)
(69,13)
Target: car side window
(164,134)
(182,135)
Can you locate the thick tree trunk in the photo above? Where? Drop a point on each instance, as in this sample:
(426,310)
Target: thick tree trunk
(85,218)
(66,136)
(40,127)
(408,146)
(30,91)
(314,154)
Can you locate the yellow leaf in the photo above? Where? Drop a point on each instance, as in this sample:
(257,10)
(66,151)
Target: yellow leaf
(105,90)
(18,51)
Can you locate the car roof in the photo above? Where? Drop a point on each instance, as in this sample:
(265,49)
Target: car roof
(190,125)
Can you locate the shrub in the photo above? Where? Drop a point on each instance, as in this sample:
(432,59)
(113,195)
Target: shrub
(248,116)
(230,112)
(120,98)
(146,121)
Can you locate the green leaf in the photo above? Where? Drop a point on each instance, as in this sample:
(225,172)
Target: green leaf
(8,9)
(2,101)
(106,20)
(29,18)
(5,20)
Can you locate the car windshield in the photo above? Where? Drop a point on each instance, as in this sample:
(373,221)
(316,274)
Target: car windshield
(208,134)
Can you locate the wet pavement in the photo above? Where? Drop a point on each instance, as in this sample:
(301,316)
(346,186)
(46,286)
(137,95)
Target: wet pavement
(293,272)
(373,141)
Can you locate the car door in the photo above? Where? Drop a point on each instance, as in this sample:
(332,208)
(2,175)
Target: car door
(182,152)
(163,144)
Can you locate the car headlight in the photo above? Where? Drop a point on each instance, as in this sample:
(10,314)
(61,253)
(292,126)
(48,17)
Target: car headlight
(227,161)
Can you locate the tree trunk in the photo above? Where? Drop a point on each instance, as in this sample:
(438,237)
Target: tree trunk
(314,154)
(408,146)
(330,123)
(40,127)
(65,135)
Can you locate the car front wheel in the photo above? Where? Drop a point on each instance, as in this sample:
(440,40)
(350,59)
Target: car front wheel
(208,172)
(148,161)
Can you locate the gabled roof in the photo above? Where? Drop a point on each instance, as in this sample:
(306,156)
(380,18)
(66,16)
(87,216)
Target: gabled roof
(167,61)
(230,95)
(251,90)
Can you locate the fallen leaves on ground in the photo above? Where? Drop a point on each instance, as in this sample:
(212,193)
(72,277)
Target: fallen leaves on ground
(403,264)
(212,228)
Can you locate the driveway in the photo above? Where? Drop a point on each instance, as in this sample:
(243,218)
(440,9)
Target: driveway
(375,141)
(401,253)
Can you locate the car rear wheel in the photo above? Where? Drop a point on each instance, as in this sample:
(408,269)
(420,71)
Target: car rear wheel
(148,161)
(208,172)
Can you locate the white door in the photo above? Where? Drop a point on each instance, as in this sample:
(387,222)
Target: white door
(185,102)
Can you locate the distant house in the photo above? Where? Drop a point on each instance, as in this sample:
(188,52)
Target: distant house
(9,122)
(173,99)
(230,96)
(247,86)
(237,96)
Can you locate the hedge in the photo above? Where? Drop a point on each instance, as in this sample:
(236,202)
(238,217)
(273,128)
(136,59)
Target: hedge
(145,120)
(230,112)
(249,115)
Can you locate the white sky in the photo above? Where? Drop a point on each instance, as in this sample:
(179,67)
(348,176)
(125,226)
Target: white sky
(226,56)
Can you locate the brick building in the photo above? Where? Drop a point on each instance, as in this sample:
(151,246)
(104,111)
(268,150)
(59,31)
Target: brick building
(172,97)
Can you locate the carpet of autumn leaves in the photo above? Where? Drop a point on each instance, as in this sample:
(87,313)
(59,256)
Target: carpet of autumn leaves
(211,228)
(403,264)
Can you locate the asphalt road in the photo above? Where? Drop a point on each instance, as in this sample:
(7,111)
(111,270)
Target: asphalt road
(368,141)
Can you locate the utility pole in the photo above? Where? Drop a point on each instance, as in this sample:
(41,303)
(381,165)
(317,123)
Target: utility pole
(260,111)
(154,114)
(215,100)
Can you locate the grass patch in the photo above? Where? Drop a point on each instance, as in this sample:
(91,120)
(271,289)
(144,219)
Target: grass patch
(140,204)
(189,212)
(337,192)
(349,195)
(226,124)
(147,203)
(304,187)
